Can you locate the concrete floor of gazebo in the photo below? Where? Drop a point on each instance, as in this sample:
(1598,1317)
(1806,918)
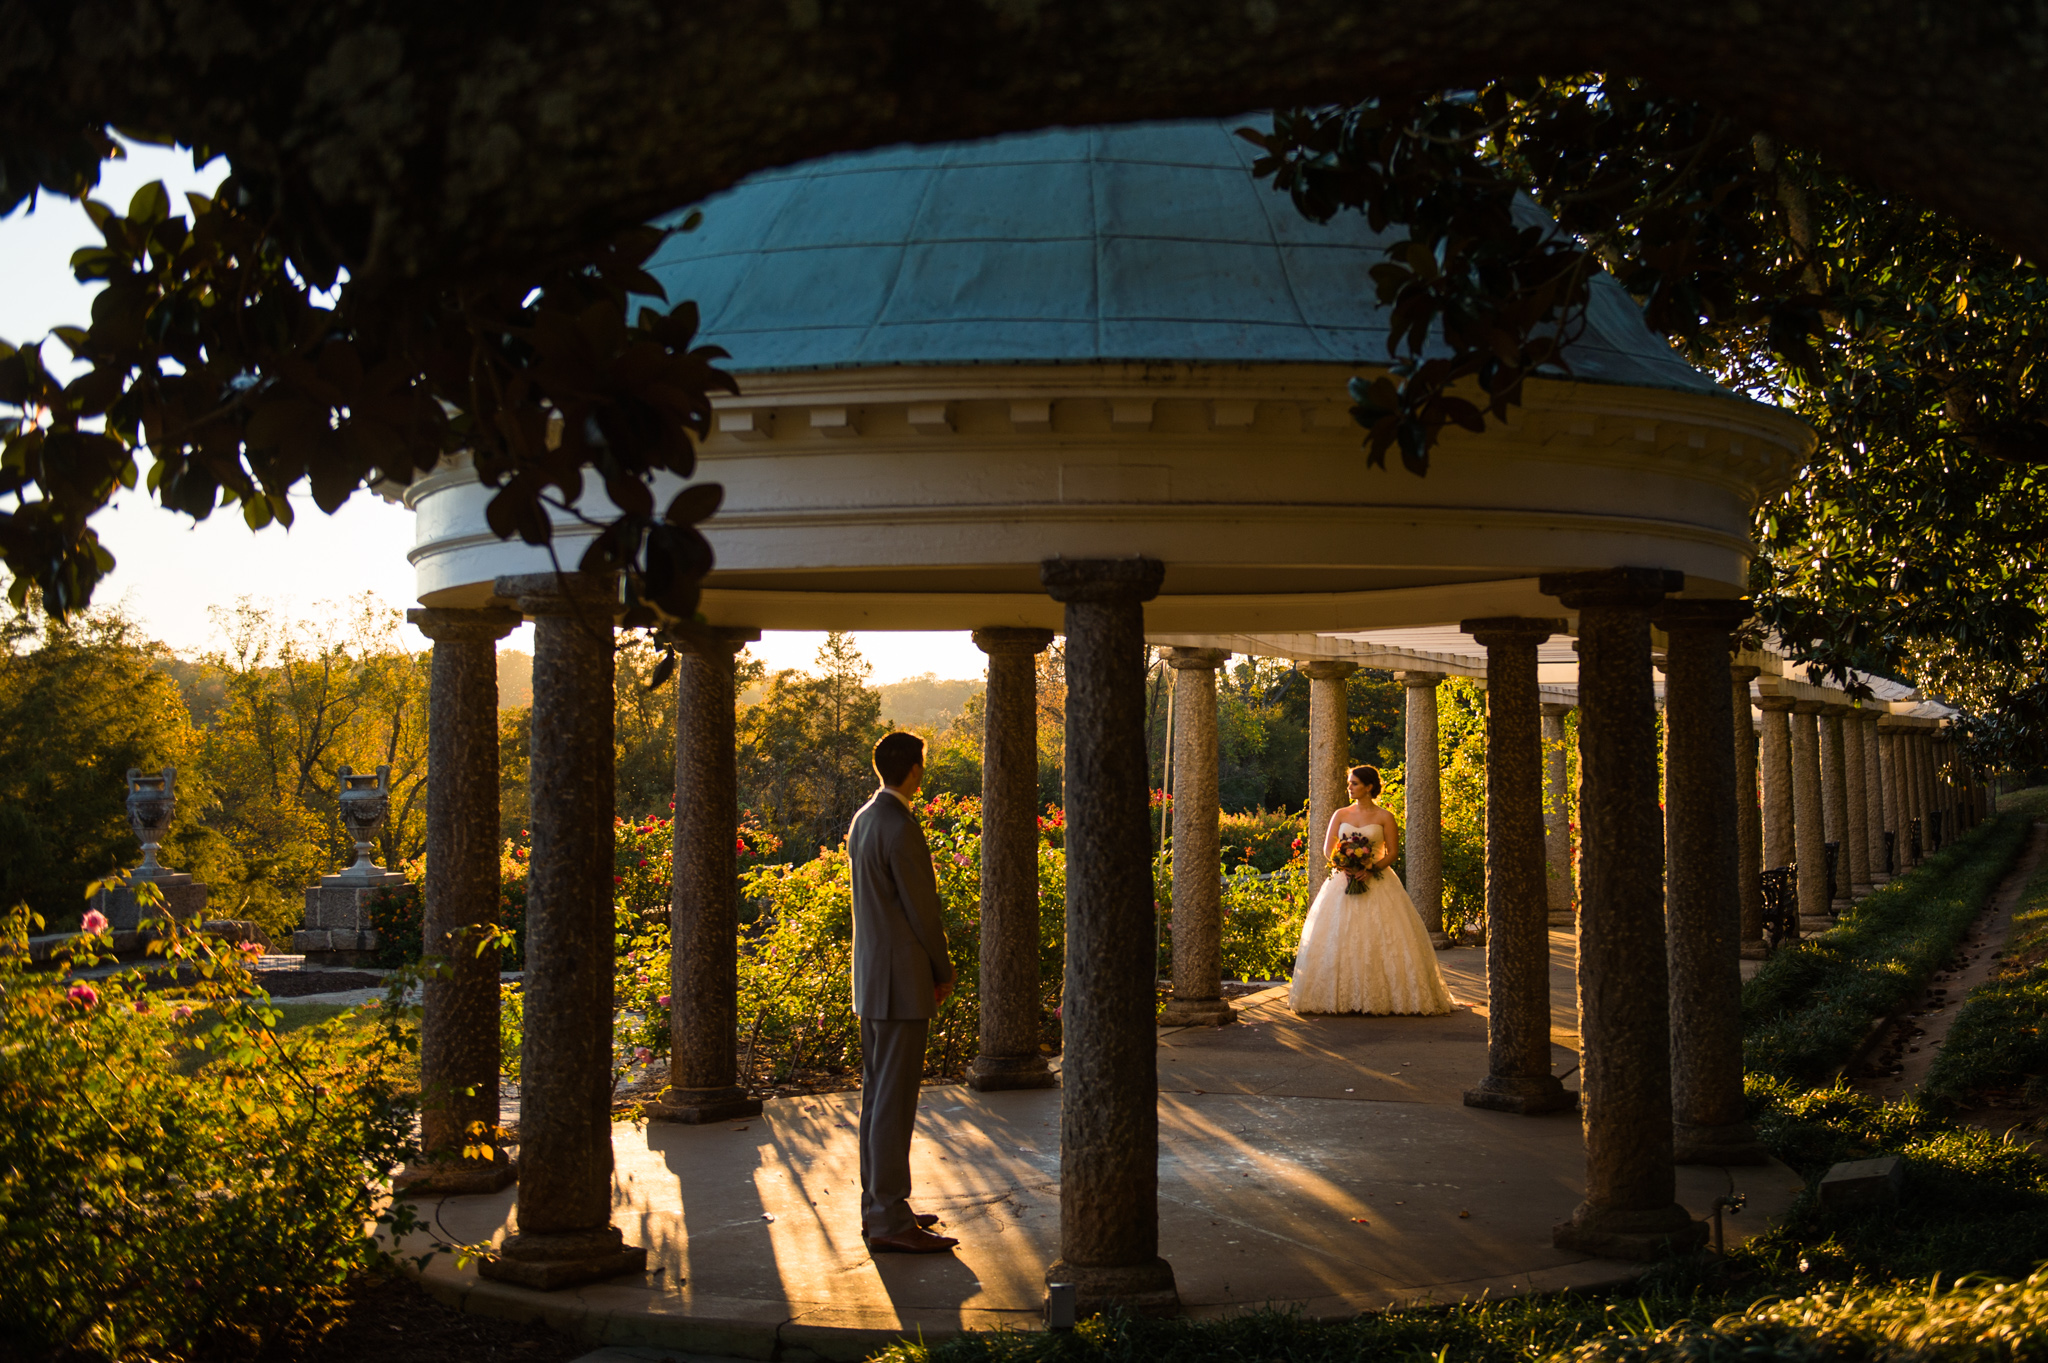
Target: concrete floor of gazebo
(1326,1164)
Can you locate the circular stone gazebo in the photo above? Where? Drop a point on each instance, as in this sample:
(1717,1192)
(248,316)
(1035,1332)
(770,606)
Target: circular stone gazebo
(1093,382)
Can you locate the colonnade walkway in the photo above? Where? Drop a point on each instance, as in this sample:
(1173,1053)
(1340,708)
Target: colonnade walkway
(1321,1163)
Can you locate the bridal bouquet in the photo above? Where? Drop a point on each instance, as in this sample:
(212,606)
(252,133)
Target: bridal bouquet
(1352,858)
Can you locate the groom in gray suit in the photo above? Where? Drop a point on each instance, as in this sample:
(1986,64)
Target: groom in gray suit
(901,974)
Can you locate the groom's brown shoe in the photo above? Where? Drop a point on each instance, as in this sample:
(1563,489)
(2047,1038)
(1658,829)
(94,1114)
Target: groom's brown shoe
(916,1240)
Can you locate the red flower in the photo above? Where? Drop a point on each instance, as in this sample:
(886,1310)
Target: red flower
(618,880)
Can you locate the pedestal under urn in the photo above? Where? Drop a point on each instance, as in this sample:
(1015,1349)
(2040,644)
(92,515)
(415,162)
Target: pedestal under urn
(338,930)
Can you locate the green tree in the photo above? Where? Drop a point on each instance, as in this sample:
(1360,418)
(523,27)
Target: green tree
(81,702)
(806,748)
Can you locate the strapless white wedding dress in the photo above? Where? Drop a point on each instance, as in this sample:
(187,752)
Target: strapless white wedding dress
(1366,953)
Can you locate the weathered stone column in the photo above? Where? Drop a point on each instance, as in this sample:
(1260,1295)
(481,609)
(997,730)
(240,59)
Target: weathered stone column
(1856,814)
(1923,789)
(1810,831)
(565,1232)
(1749,825)
(1557,820)
(1197,853)
(1422,839)
(1834,800)
(1873,795)
(459,1058)
(1518,1077)
(1109,1119)
(1011,996)
(1781,848)
(1897,808)
(1704,875)
(1630,1209)
(704,1079)
(1329,753)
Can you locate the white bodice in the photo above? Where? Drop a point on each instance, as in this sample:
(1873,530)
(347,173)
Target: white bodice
(1373,832)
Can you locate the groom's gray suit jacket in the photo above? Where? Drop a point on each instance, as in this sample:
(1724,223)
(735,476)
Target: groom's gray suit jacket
(899,934)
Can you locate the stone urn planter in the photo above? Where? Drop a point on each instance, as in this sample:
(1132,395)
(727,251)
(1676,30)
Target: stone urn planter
(152,801)
(338,930)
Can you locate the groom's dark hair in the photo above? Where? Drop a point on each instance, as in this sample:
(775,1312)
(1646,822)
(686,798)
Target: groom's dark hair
(895,755)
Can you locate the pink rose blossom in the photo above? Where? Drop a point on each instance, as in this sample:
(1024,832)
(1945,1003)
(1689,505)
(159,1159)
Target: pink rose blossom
(960,858)
(84,995)
(182,1011)
(95,922)
(141,1005)
(662,1002)
(642,1054)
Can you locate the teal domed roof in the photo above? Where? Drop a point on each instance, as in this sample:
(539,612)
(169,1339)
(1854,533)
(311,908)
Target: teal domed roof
(1146,243)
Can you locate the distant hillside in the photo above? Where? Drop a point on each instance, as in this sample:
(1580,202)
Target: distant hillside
(515,678)
(916,702)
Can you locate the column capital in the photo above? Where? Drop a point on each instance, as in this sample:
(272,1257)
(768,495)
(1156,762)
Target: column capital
(482,624)
(1420,681)
(1556,709)
(1643,588)
(1329,669)
(1858,713)
(994,639)
(1720,616)
(560,593)
(1511,629)
(1808,707)
(1197,658)
(1743,672)
(1101,579)
(711,641)
(1835,709)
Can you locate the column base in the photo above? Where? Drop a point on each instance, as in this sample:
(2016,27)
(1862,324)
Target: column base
(1197,1013)
(455,1178)
(1523,1096)
(1141,1289)
(1728,1143)
(1001,1073)
(1814,927)
(699,1106)
(1440,940)
(1626,1233)
(1566,919)
(549,1262)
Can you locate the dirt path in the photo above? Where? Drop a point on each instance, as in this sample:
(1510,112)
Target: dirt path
(1909,1047)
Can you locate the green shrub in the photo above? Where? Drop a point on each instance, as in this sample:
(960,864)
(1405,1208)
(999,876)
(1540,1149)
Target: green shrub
(173,1172)
(1805,1011)
(1265,840)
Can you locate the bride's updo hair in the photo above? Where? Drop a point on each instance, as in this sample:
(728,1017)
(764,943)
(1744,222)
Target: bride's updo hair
(1369,777)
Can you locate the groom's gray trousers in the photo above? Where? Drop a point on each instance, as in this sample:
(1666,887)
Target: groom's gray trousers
(891,1064)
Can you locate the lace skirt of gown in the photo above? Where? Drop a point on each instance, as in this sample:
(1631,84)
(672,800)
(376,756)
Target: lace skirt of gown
(1366,953)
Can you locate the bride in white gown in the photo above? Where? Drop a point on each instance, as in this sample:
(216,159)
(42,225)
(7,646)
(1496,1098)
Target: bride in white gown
(1366,952)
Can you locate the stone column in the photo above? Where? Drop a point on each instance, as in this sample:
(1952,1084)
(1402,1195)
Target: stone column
(1557,820)
(1630,1211)
(1329,758)
(1781,848)
(1810,831)
(1197,853)
(1749,825)
(565,1232)
(1856,820)
(1518,1077)
(1423,834)
(1834,802)
(1011,997)
(1109,1119)
(1923,802)
(704,1079)
(1873,795)
(1705,903)
(1897,808)
(459,1058)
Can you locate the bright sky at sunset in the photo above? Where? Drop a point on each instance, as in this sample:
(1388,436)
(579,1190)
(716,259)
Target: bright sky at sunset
(170,572)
